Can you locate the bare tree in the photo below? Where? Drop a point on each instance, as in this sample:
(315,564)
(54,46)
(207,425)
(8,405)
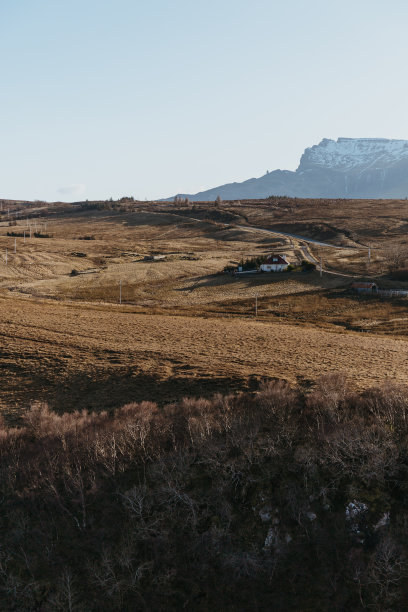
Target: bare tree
(396,257)
(388,567)
(66,597)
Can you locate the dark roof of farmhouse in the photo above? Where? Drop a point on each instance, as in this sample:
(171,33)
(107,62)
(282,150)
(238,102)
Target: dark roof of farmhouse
(275,259)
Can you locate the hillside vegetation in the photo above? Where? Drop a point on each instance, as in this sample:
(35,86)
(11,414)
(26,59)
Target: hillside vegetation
(284,500)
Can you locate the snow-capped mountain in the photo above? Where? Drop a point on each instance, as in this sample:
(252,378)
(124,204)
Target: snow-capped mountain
(343,168)
(347,154)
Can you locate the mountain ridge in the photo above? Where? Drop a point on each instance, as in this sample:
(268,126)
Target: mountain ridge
(342,168)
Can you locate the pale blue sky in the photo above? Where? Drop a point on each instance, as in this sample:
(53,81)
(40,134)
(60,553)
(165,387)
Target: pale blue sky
(105,98)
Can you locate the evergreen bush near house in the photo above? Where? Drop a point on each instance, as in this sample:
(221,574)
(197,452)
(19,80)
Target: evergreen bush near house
(308,265)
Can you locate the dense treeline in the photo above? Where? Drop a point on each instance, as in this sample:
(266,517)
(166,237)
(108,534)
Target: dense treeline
(285,500)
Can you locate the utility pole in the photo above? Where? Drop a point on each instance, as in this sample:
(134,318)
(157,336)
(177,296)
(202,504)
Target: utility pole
(321,267)
(24,236)
(369,254)
(120,292)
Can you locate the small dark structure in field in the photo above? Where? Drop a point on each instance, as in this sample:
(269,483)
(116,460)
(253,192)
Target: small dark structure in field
(364,287)
(154,257)
(374,289)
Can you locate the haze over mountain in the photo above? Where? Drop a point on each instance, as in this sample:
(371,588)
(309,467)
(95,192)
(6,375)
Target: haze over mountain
(346,168)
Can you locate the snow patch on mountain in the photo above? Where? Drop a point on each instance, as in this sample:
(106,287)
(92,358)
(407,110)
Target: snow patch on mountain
(351,153)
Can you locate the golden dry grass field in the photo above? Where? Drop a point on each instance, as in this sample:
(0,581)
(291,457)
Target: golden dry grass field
(184,327)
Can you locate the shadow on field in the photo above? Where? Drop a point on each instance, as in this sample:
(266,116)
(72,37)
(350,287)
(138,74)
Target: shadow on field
(107,392)
(254,280)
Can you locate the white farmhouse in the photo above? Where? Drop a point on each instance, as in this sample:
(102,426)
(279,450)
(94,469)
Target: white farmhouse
(274,263)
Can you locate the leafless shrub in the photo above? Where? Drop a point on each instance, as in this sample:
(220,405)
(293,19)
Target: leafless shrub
(138,502)
(396,257)
(66,597)
(277,399)
(42,422)
(328,399)
(387,569)
(201,420)
(116,573)
(389,403)
(360,451)
(279,405)
(140,428)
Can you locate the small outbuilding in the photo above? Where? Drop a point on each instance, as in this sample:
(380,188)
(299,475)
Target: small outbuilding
(365,287)
(154,257)
(274,263)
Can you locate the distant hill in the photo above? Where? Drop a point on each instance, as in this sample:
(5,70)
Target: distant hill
(346,168)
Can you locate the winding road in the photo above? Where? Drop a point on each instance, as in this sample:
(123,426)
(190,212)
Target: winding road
(300,239)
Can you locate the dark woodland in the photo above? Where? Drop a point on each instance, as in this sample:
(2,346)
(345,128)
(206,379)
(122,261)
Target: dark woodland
(287,499)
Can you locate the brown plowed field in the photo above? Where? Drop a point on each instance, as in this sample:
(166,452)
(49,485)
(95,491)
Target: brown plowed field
(88,356)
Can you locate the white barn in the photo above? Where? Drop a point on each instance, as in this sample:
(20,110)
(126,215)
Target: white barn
(274,263)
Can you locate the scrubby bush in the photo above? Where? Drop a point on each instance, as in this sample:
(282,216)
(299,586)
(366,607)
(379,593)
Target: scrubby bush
(308,266)
(41,235)
(251,263)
